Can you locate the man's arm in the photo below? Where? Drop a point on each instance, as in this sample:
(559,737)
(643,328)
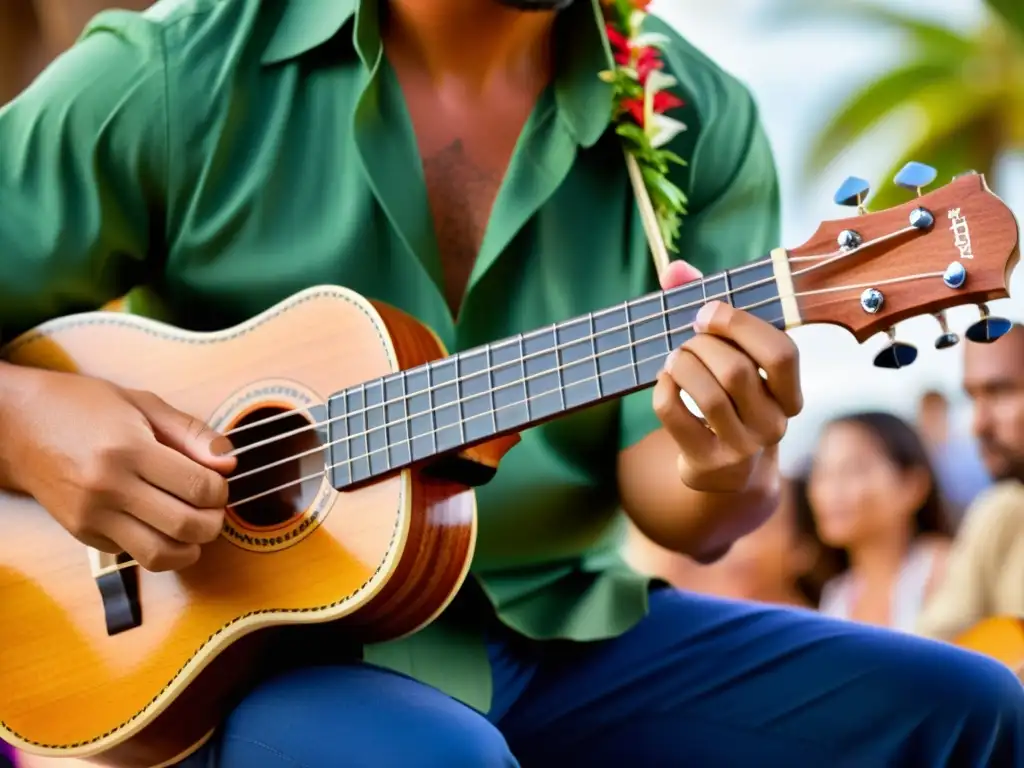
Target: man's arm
(736,222)
(83,161)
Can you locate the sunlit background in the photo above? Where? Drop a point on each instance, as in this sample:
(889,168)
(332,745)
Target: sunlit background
(802,68)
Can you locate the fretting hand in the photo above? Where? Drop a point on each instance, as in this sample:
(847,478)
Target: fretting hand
(121,470)
(718,368)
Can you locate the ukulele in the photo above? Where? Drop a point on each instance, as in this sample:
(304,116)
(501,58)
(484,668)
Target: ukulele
(999,637)
(352,507)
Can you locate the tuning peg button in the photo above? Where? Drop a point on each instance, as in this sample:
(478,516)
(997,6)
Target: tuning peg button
(988,328)
(914,176)
(897,355)
(852,192)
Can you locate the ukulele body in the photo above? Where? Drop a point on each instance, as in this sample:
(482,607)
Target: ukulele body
(367,564)
(1000,637)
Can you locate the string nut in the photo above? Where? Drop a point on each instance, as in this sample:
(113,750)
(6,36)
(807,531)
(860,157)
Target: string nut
(871,300)
(955,275)
(921,218)
(849,239)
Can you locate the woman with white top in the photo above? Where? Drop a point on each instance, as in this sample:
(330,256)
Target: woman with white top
(877,509)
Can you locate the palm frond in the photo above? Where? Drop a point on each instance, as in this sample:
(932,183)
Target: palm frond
(870,105)
(926,36)
(969,148)
(1011,12)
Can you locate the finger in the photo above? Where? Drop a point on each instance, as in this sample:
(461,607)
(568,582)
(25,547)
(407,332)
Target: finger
(184,433)
(737,373)
(147,546)
(180,476)
(772,350)
(691,375)
(678,273)
(172,517)
(688,431)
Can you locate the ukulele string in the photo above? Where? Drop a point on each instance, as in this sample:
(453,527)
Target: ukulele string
(823,260)
(458,402)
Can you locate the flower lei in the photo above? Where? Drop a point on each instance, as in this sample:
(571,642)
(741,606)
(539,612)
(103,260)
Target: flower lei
(641,99)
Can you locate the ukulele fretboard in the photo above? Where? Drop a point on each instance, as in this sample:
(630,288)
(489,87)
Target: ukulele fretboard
(415,415)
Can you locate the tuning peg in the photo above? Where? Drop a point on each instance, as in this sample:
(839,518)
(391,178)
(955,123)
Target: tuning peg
(897,355)
(947,338)
(914,176)
(852,192)
(989,328)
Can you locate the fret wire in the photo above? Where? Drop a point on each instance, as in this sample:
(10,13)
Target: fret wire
(664,324)
(522,368)
(704,288)
(558,366)
(728,288)
(431,391)
(631,344)
(490,389)
(592,331)
(458,398)
(384,426)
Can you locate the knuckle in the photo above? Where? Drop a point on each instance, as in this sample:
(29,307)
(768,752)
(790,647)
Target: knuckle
(736,376)
(195,428)
(784,356)
(662,402)
(716,405)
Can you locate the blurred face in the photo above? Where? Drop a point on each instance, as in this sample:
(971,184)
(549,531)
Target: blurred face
(769,560)
(856,492)
(994,380)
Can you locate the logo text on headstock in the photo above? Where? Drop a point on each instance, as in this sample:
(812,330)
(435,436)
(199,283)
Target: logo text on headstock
(961,233)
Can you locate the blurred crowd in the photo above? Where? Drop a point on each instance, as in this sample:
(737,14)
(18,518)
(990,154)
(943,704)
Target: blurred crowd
(913,525)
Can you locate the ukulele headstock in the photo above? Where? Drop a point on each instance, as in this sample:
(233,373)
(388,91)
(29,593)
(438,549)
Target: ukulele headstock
(954,246)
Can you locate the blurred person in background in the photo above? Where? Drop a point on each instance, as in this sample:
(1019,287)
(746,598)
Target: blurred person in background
(961,473)
(774,564)
(879,513)
(985,577)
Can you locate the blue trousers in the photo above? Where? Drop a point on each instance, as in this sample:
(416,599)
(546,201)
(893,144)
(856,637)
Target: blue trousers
(700,682)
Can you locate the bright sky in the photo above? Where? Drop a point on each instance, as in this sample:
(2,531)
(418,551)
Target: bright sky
(798,75)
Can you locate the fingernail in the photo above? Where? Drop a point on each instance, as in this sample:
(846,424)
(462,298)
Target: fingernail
(667,367)
(221,446)
(703,319)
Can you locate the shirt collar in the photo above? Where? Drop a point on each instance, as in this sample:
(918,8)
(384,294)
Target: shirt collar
(584,101)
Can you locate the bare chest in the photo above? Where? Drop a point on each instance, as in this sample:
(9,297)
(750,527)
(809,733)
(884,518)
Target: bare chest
(465,149)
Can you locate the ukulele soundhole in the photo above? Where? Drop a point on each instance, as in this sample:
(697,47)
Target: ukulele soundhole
(283,470)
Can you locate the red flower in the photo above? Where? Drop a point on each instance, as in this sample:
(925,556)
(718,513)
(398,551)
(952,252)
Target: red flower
(647,62)
(641,5)
(635,109)
(620,46)
(664,101)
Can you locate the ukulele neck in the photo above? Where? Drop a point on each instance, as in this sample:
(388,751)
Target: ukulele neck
(422,413)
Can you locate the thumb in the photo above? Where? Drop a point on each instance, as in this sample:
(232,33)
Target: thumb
(185,434)
(679,273)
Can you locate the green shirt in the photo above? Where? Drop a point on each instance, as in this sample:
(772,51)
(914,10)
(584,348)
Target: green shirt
(224,155)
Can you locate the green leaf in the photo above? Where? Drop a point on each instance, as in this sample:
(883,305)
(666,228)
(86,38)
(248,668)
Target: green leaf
(936,39)
(1011,12)
(950,154)
(869,106)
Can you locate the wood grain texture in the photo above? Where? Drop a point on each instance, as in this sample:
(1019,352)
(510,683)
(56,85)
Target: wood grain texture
(907,268)
(384,558)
